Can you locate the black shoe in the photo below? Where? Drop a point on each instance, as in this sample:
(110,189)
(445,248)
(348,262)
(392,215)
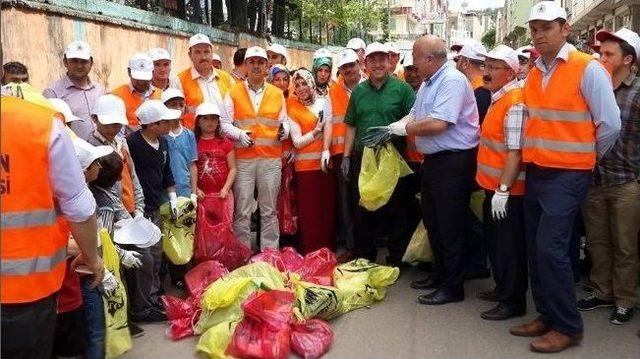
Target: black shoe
(591,303)
(135,330)
(621,315)
(502,312)
(427,283)
(154,316)
(478,274)
(588,286)
(490,296)
(440,296)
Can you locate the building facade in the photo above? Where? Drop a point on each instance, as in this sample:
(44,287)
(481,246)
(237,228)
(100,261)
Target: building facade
(587,17)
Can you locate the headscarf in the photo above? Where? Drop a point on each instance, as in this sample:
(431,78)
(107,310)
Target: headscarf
(276,69)
(311,82)
(322,89)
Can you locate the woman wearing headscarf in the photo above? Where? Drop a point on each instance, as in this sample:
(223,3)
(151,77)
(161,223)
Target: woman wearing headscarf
(279,77)
(310,122)
(322,64)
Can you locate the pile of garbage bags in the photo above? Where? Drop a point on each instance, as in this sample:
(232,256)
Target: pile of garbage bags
(277,303)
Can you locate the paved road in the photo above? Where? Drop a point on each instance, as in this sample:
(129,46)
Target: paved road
(401,328)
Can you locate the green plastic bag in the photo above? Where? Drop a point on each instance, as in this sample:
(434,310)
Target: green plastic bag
(381,168)
(362,283)
(216,339)
(419,248)
(178,234)
(315,301)
(116,337)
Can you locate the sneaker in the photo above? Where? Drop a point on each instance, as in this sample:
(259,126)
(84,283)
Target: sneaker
(621,315)
(135,330)
(591,303)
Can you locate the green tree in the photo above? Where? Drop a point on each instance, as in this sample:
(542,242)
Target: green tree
(489,38)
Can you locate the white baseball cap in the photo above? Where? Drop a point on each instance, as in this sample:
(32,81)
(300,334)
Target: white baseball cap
(159,53)
(207,108)
(506,54)
(199,39)
(64,109)
(347,56)
(356,43)
(322,52)
(278,49)
(408,60)
(547,11)
(141,67)
(170,93)
(255,51)
(78,50)
(216,57)
(472,49)
(152,111)
(623,34)
(110,109)
(521,51)
(374,47)
(87,153)
(392,47)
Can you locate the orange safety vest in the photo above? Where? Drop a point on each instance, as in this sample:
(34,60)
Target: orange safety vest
(133,100)
(560,132)
(263,125)
(128,193)
(339,97)
(307,158)
(477,82)
(193,93)
(33,236)
(492,152)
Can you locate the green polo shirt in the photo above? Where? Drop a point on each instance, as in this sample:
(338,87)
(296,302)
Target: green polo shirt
(370,107)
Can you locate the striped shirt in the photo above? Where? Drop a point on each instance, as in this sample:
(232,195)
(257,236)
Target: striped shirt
(515,118)
(622,163)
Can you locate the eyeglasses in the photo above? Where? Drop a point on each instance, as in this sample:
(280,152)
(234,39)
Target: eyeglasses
(494,68)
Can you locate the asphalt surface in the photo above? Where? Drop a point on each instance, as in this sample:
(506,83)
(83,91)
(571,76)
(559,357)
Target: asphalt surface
(399,327)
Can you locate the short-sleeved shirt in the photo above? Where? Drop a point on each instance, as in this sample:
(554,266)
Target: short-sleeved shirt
(213,168)
(448,96)
(369,107)
(153,167)
(182,151)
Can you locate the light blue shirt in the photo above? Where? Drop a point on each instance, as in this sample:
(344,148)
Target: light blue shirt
(597,90)
(447,96)
(182,153)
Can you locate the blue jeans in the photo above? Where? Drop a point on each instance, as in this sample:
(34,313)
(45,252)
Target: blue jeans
(94,321)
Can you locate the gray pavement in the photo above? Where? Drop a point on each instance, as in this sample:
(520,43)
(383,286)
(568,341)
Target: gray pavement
(399,328)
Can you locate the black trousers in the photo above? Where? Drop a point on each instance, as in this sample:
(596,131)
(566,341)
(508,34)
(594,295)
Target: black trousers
(447,181)
(28,330)
(508,251)
(392,217)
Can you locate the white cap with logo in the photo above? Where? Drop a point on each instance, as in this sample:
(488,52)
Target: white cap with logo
(375,47)
(347,56)
(216,57)
(199,39)
(322,52)
(78,50)
(110,109)
(392,47)
(506,54)
(141,67)
(152,111)
(170,93)
(278,49)
(547,11)
(472,49)
(87,153)
(64,109)
(407,60)
(207,108)
(159,53)
(255,51)
(356,44)
(623,34)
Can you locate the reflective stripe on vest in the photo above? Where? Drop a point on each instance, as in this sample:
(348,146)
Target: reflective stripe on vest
(36,218)
(560,132)
(263,125)
(492,152)
(28,266)
(308,157)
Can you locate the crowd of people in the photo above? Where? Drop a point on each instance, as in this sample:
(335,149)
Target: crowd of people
(545,134)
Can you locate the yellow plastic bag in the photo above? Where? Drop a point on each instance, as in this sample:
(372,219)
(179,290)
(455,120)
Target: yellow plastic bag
(381,168)
(178,235)
(117,338)
(419,248)
(315,301)
(216,339)
(362,283)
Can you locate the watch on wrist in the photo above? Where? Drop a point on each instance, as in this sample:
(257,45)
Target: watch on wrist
(503,188)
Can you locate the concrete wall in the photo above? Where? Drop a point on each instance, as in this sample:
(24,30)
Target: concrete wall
(36,34)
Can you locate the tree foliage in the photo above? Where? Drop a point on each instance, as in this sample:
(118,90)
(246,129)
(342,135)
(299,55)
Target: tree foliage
(348,14)
(489,38)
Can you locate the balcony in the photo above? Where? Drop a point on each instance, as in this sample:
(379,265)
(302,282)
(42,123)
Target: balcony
(587,12)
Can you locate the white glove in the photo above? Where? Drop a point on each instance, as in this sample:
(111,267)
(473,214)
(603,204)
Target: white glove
(284,131)
(173,203)
(130,259)
(499,205)
(398,128)
(194,199)
(138,213)
(244,139)
(324,160)
(109,283)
